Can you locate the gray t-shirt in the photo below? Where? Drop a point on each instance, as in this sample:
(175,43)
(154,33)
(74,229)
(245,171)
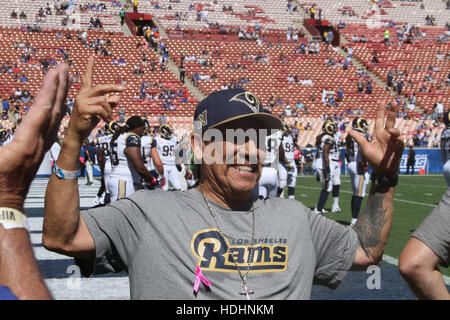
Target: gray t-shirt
(435,230)
(160,238)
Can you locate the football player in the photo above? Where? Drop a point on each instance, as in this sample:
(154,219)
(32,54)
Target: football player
(267,186)
(150,153)
(128,168)
(104,161)
(335,170)
(183,161)
(166,145)
(445,147)
(357,167)
(325,143)
(287,169)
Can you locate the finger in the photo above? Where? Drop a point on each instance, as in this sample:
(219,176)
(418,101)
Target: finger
(107,108)
(104,89)
(99,111)
(113,101)
(359,138)
(99,101)
(379,122)
(37,120)
(60,107)
(392,115)
(396,140)
(86,81)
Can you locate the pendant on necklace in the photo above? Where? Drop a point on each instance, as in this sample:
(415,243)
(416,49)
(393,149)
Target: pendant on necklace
(246,292)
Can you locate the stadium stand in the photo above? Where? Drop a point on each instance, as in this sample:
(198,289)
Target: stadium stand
(374,13)
(213,39)
(187,15)
(79,14)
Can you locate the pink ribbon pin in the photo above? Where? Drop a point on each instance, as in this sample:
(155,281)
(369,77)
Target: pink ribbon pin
(200,277)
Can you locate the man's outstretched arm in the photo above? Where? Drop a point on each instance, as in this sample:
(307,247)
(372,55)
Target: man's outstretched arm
(64,228)
(383,154)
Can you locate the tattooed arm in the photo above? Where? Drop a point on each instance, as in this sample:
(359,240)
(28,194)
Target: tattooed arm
(383,154)
(373,227)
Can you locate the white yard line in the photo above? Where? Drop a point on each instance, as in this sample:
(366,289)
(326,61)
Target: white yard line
(400,200)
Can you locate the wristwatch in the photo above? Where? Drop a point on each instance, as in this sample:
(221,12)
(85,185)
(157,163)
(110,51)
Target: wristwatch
(383,181)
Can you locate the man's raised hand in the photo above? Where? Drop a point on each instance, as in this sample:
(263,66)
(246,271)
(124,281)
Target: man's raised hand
(22,157)
(385,151)
(92,104)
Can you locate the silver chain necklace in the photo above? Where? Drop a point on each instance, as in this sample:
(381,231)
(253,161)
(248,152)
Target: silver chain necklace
(246,292)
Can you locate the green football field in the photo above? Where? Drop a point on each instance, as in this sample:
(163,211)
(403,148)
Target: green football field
(415,197)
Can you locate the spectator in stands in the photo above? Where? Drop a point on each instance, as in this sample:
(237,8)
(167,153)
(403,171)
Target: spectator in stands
(122,16)
(340,94)
(375,58)
(390,78)
(312,11)
(360,86)
(347,61)
(182,73)
(162,119)
(341,25)
(307,82)
(399,87)
(136,4)
(13,14)
(369,87)
(122,115)
(386,36)
(22,15)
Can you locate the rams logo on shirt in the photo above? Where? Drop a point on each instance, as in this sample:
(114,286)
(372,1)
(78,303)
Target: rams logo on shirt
(211,250)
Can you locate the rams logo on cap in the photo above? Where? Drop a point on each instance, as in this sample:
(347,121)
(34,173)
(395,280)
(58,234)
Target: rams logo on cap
(251,100)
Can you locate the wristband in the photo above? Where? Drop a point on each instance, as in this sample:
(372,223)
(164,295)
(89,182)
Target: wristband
(12,218)
(384,181)
(64,174)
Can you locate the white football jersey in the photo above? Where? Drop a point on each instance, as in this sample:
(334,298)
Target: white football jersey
(273,143)
(289,147)
(119,161)
(324,139)
(445,144)
(354,150)
(146,147)
(334,152)
(166,149)
(103,142)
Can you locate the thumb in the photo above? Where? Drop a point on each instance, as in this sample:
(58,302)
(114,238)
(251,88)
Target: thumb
(359,138)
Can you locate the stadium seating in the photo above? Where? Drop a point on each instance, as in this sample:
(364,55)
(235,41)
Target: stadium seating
(413,60)
(77,19)
(270,15)
(373,13)
(271,78)
(226,56)
(47,45)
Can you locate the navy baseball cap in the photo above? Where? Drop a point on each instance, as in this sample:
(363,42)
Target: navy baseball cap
(232,104)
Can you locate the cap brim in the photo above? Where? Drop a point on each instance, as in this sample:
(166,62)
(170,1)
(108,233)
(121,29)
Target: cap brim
(269,121)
